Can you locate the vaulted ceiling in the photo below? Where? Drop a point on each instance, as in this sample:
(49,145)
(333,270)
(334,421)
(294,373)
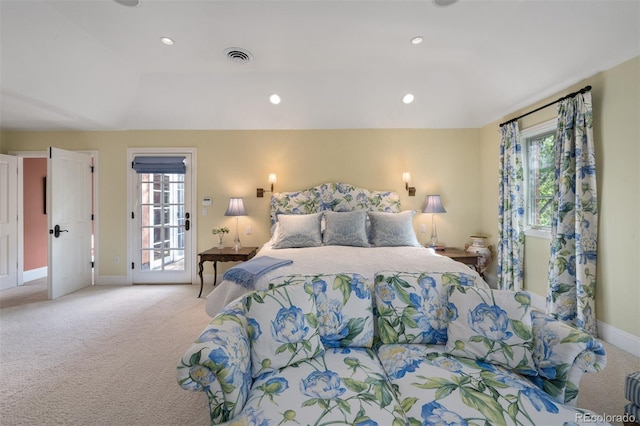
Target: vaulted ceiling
(100,65)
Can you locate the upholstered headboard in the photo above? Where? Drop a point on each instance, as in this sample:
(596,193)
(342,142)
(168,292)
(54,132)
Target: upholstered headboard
(338,197)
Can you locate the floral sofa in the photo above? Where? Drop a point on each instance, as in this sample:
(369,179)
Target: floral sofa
(401,349)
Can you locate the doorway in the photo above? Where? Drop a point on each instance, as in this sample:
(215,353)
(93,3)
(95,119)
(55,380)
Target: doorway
(33,234)
(161,245)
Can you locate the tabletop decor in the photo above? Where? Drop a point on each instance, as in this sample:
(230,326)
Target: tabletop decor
(220,233)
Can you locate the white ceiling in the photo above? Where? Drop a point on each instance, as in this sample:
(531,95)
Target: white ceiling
(98,65)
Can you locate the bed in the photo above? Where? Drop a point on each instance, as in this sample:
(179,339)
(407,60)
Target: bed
(338,228)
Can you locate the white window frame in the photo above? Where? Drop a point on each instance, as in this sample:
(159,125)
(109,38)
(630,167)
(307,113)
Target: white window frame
(528,133)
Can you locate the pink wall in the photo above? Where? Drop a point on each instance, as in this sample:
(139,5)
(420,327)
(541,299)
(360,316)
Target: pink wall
(35,221)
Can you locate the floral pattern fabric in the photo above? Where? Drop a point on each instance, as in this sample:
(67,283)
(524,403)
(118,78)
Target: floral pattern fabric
(460,391)
(337,197)
(511,210)
(283,328)
(414,307)
(219,363)
(341,382)
(555,342)
(493,326)
(574,230)
(344,386)
(337,298)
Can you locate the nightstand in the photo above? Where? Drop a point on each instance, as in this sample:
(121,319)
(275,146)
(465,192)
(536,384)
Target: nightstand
(463,256)
(227,254)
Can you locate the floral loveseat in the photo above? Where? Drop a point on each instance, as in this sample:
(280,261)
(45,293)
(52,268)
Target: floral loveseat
(444,352)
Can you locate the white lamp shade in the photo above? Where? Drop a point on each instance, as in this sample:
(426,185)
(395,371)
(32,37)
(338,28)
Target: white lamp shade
(236,207)
(433,205)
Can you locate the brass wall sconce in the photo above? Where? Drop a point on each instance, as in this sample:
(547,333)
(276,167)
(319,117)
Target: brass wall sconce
(406,178)
(272,179)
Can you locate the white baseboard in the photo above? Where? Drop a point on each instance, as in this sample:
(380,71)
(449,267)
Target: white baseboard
(111,280)
(35,274)
(619,338)
(610,334)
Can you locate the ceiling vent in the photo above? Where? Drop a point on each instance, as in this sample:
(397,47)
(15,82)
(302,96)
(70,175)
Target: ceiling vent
(236,54)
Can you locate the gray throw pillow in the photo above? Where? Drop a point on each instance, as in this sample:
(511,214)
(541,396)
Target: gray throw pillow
(393,229)
(345,229)
(298,230)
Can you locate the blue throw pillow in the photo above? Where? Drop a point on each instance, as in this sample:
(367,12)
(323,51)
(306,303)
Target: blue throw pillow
(298,230)
(345,229)
(393,229)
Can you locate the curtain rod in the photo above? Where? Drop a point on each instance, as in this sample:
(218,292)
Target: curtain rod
(571,95)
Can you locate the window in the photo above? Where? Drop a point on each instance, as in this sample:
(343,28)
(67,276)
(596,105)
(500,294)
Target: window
(538,144)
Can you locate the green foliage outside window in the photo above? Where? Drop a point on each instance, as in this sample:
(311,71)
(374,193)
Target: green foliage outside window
(540,152)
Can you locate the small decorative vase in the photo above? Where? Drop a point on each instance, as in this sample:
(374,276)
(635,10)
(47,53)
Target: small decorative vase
(221,241)
(478,247)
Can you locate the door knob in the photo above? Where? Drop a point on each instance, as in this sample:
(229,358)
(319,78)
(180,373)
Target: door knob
(187,223)
(56,231)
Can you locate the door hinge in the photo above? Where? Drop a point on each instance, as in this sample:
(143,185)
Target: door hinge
(92,167)
(93,264)
(93,217)
(133,265)
(133,216)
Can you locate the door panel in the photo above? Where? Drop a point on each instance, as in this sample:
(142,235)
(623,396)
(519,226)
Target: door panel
(69,189)
(162,247)
(8,221)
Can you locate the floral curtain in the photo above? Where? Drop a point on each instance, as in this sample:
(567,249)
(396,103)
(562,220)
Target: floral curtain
(511,210)
(574,239)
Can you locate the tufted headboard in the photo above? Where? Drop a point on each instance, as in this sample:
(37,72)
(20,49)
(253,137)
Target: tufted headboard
(338,197)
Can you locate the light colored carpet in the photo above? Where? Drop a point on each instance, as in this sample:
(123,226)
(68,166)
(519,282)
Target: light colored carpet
(108,356)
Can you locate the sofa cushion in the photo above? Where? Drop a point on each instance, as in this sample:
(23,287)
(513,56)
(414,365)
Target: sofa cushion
(414,307)
(283,328)
(439,388)
(344,307)
(343,386)
(492,326)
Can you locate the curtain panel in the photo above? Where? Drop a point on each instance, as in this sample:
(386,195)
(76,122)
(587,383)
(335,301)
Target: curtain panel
(574,239)
(511,210)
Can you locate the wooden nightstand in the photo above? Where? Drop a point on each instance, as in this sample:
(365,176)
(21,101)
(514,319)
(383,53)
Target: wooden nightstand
(227,254)
(463,256)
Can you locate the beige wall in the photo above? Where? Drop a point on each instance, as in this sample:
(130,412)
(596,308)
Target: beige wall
(235,163)
(616,106)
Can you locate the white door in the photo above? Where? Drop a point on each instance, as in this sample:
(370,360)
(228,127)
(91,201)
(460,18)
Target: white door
(8,221)
(69,216)
(162,246)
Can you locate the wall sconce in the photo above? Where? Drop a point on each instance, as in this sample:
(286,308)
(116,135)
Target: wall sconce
(406,178)
(272,179)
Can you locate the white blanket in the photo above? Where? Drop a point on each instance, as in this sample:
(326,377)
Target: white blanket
(340,259)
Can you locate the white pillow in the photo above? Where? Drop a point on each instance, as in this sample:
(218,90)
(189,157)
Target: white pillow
(393,229)
(298,230)
(493,326)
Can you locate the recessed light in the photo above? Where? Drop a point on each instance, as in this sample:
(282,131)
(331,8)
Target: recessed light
(444,3)
(166,40)
(274,98)
(417,40)
(128,3)
(408,98)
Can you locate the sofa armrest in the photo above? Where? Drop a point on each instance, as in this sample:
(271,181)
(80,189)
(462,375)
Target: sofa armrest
(219,364)
(562,354)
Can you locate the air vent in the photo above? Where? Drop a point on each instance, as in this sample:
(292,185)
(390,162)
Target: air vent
(235,54)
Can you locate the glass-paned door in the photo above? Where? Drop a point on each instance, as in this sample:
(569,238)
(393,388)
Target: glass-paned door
(162,221)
